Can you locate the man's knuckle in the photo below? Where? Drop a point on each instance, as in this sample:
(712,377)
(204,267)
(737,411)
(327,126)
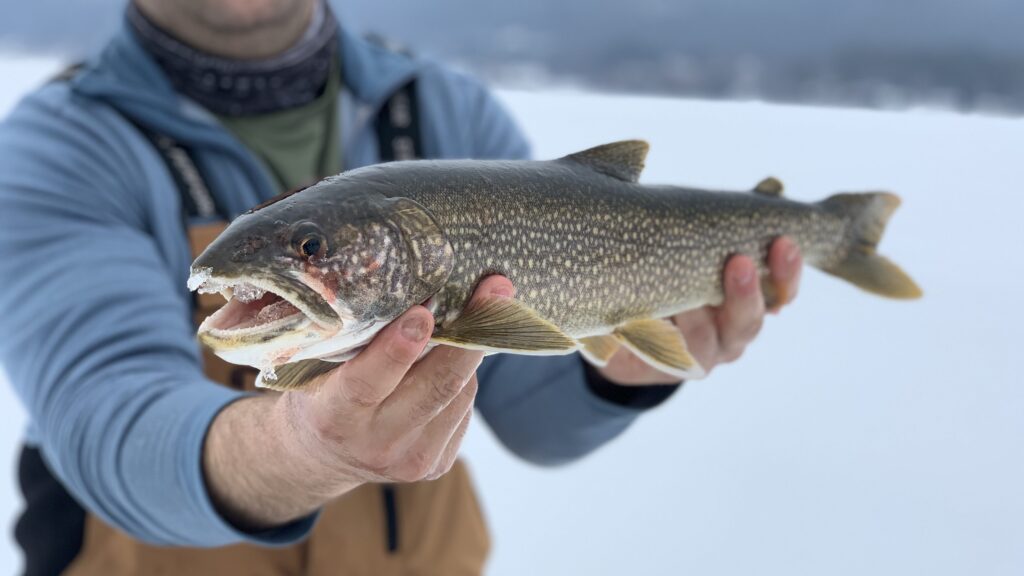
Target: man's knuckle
(417,465)
(326,428)
(751,329)
(377,462)
(400,352)
(731,353)
(700,333)
(443,469)
(447,384)
(360,391)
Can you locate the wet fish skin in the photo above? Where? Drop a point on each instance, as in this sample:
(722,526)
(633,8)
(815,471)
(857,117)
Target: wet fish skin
(589,249)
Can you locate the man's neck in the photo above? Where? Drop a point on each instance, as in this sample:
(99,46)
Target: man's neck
(256,40)
(249,86)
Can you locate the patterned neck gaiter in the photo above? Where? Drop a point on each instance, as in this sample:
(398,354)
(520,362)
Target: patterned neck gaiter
(230,87)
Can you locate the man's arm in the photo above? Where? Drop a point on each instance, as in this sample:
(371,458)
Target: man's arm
(95,330)
(98,343)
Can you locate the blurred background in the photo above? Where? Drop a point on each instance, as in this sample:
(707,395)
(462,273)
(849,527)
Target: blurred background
(856,435)
(889,53)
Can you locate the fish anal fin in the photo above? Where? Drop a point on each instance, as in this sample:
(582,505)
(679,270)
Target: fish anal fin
(661,345)
(598,350)
(295,376)
(504,324)
(623,160)
(770,186)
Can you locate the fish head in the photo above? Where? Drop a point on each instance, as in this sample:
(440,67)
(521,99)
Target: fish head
(317,273)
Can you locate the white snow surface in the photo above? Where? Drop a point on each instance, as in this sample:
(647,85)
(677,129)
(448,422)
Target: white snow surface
(856,435)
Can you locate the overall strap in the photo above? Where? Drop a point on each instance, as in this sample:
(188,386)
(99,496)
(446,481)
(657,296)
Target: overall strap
(398,125)
(195,196)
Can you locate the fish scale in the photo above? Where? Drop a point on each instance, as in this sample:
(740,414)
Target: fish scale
(598,259)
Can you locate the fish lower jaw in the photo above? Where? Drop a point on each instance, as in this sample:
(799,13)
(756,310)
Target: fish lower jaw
(232,337)
(340,346)
(249,291)
(264,356)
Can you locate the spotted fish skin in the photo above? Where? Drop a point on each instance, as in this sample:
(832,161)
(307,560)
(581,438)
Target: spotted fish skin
(589,252)
(596,257)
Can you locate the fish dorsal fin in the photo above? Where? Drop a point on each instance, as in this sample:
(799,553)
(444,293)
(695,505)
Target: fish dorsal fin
(623,160)
(599,349)
(659,344)
(504,324)
(770,186)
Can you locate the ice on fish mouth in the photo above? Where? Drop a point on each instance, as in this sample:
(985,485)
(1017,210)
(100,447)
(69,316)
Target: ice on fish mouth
(247,292)
(199,278)
(203,281)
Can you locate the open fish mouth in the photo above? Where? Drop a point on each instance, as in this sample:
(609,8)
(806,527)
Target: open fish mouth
(263,311)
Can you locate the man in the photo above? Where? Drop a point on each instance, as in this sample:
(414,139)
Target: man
(176,474)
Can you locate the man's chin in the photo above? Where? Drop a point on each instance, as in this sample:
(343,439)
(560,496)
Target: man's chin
(242,16)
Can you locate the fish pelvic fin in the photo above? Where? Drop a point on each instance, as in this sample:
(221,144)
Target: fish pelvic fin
(296,376)
(504,325)
(598,350)
(660,345)
(623,160)
(863,266)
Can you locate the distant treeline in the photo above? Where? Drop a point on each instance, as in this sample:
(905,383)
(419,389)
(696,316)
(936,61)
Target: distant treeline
(951,79)
(964,55)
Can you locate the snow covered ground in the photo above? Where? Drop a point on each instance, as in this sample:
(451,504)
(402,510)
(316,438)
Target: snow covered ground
(857,435)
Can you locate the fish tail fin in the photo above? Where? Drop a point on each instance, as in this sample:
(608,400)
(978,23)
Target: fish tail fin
(862,265)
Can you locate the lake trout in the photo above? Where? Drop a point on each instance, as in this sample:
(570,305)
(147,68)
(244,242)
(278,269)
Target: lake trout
(598,259)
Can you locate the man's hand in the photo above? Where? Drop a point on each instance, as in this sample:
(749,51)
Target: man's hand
(381,417)
(719,334)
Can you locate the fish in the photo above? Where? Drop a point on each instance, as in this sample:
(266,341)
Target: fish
(599,260)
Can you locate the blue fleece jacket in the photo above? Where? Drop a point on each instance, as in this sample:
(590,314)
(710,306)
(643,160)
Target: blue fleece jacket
(95,329)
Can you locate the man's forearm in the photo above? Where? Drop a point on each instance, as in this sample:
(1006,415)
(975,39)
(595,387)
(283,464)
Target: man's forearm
(257,474)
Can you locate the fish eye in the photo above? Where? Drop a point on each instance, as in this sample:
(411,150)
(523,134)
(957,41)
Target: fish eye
(310,246)
(308,241)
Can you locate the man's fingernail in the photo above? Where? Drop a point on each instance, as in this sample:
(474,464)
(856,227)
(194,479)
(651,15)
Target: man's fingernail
(791,253)
(502,292)
(745,278)
(414,328)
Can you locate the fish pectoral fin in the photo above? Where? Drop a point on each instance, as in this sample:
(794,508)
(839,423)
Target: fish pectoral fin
(504,324)
(770,186)
(296,375)
(660,344)
(598,350)
(623,160)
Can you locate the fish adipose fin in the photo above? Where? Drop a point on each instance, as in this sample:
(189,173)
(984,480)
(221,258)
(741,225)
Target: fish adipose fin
(598,350)
(659,343)
(504,324)
(769,187)
(862,266)
(623,160)
(296,375)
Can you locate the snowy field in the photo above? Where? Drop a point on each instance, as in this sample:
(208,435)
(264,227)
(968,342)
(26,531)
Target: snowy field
(857,436)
